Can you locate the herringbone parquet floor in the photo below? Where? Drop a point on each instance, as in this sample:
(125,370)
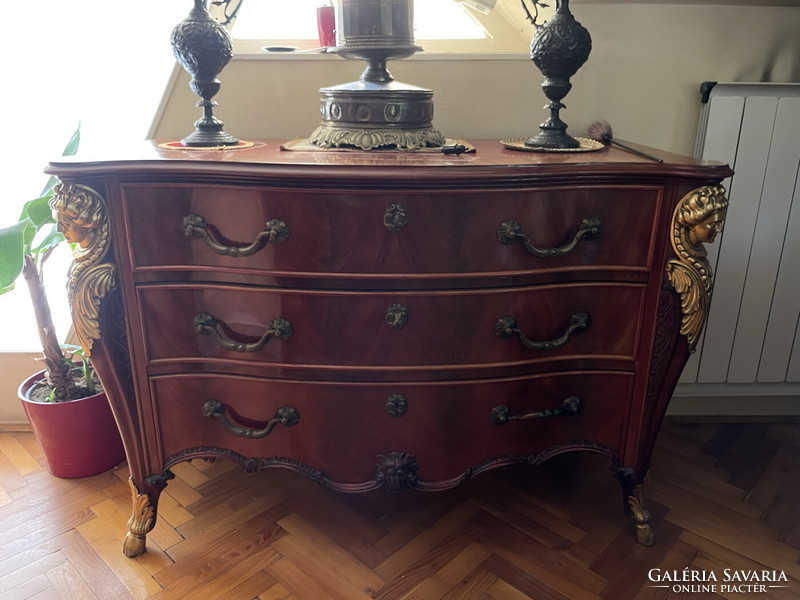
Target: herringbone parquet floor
(723,496)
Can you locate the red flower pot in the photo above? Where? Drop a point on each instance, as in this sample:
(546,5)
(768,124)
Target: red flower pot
(79,438)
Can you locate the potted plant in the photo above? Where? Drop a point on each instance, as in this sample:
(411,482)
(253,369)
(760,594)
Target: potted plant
(71,417)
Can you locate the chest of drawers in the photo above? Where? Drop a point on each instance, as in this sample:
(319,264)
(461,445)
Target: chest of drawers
(387,320)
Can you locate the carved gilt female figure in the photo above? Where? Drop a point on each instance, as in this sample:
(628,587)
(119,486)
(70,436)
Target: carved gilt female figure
(83,220)
(698,219)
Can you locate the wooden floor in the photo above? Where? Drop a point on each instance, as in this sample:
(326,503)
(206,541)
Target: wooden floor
(722,497)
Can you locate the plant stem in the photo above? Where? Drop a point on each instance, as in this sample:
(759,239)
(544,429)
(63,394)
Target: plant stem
(58,372)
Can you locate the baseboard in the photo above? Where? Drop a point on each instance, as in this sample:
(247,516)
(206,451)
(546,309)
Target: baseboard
(734,406)
(15,428)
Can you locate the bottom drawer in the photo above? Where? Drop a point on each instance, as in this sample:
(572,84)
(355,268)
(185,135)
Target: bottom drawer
(340,428)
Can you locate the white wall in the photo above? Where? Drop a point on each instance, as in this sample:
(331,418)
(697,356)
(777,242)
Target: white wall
(14,368)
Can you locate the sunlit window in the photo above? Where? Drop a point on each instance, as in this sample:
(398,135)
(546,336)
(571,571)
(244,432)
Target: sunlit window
(87,65)
(297,20)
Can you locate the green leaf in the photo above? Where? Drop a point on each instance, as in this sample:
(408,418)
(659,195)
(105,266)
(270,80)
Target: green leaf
(38,211)
(37,216)
(28,234)
(69,150)
(12,259)
(72,145)
(51,183)
(51,240)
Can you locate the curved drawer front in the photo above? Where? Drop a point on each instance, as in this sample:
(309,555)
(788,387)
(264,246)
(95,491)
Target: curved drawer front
(340,429)
(274,231)
(389,330)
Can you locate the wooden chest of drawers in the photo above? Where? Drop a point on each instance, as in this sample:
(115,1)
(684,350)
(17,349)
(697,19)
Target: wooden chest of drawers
(387,320)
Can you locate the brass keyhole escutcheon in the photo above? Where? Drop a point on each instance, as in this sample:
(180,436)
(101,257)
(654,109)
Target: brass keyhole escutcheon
(395,218)
(397,316)
(396,405)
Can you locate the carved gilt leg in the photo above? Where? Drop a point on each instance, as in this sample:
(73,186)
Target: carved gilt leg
(634,506)
(142,521)
(143,515)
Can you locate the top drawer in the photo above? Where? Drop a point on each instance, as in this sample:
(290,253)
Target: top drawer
(586,231)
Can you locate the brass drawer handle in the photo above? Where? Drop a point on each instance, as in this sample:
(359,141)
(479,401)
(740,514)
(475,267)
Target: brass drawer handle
(286,416)
(510,232)
(500,415)
(507,326)
(206,324)
(275,231)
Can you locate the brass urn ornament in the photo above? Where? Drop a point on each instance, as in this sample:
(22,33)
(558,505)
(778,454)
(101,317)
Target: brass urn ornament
(203,47)
(376,112)
(559,48)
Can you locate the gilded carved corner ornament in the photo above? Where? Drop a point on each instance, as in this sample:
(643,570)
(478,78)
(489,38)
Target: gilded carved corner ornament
(82,218)
(698,219)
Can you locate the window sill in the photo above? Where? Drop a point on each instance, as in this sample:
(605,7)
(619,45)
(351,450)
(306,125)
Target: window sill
(437,56)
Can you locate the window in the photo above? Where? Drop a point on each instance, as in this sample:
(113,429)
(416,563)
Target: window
(97,64)
(440,26)
(296,20)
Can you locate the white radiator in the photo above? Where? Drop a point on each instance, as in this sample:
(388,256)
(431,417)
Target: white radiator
(752,332)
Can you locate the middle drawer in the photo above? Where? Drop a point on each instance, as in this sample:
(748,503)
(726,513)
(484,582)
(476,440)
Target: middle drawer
(436,329)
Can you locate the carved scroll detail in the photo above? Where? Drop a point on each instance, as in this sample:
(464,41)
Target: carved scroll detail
(142,521)
(698,219)
(641,518)
(82,218)
(396,471)
(632,486)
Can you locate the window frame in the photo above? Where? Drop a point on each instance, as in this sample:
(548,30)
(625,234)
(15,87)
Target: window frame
(504,36)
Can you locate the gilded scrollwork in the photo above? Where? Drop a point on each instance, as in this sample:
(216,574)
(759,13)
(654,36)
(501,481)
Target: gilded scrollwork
(697,220)
(82,218)
(142,521)
(144,513)
(373,139)
(632,488)
(641,518)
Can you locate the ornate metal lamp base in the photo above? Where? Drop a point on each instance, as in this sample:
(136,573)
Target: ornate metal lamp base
(376,139)
(371,116)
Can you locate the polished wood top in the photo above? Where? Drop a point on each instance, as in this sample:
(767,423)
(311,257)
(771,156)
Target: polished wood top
(490,163)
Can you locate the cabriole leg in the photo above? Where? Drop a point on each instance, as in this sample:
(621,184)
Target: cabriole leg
(633,503)
(143,515)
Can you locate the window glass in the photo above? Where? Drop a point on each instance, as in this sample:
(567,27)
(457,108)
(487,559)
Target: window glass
(98,63)
(297,20)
